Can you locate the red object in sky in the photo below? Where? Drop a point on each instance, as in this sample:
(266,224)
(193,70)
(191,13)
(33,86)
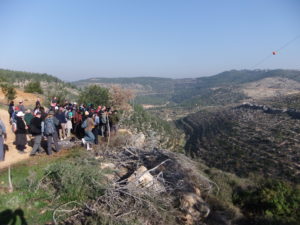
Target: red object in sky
(274,53)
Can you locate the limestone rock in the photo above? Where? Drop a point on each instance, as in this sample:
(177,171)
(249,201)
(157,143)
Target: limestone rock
(108,165)
(194,208)
(141,178)
(138,140)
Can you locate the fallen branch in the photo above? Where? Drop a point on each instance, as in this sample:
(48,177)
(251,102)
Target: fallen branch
(57,210)
(40,182)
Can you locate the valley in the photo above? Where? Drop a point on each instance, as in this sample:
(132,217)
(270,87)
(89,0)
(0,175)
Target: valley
(209,144)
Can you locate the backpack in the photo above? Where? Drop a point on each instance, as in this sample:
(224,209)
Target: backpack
(84,124)
(49,126)
(103,118)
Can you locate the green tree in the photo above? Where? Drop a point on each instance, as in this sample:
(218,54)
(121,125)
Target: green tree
(34,87)
(9,91)
(94,94)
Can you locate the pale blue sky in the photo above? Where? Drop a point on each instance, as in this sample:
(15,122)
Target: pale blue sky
(169,38)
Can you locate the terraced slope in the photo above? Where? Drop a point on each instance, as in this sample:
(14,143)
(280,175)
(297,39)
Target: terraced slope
(246,140)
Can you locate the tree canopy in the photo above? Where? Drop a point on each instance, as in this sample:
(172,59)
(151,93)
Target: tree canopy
(94,94)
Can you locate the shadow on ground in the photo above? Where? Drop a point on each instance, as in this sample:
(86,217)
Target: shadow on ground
(10,217)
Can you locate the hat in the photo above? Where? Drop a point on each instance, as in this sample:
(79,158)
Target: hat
(38,113)
(21,101)
(51,113)
(86,113)
(20,113)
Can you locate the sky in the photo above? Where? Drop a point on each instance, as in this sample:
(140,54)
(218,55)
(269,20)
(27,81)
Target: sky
(78,39)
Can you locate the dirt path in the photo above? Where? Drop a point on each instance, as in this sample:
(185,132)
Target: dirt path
(28,98)
(12,155)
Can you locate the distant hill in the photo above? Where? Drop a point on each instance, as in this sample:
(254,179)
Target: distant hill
(149,90)
(229,87)
(51,85)
(224,88)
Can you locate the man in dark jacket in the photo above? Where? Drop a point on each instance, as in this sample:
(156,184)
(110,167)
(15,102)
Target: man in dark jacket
(36,130)
(21,130)
(61,116)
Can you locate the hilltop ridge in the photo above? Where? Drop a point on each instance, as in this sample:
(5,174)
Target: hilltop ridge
(223,88)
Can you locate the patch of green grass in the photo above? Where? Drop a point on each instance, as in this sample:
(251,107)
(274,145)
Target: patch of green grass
(42,185)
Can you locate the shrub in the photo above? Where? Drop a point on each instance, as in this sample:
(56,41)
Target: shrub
(33,87)
(272,199)
(76,179)
(9,91)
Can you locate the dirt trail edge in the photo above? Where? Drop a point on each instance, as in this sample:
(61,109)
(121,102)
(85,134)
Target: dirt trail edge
(12,156)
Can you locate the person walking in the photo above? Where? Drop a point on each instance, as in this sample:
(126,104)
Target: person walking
(50,132)
(3,137)
(21,130)
(36,129)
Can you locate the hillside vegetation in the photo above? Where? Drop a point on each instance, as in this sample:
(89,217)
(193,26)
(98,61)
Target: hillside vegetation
(18,76)
(221,89)
(45,84)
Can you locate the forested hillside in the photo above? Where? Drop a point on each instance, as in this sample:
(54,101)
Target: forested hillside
(44,84)
(16,76)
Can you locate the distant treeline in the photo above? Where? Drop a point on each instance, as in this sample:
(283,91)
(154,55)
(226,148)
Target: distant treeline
(11,76)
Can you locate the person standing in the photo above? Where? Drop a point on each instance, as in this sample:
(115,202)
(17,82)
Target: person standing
(53,103)
(50,132)
(96,128)
(38,103)
(36,125)
(3,137)
(11,109)
(103,122)
(77,121)
(69,125)
(61,116)
(88,126)
(113,122)
(28,117)
(21,129)
(21,106)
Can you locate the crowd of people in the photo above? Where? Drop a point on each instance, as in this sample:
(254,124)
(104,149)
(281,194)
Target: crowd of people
(59,121)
